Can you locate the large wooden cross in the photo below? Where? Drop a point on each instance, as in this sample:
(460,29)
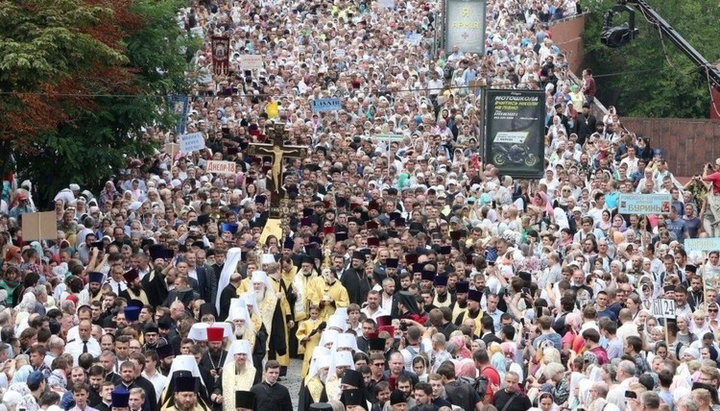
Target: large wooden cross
(277,150)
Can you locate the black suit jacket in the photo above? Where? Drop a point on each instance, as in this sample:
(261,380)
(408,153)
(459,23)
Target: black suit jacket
(207,284)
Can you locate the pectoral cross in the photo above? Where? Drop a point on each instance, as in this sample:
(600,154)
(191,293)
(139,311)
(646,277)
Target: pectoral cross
(277,150)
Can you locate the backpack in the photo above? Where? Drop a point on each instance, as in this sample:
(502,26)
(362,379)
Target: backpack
(480,385)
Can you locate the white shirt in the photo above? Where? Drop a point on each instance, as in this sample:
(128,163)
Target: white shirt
(158,381)
(373,316)
(75,348)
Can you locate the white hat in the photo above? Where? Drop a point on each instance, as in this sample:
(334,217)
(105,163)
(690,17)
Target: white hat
(186,363)
(260,276)
(198,332)
(327,337)
(320,359)
(74,187)
(267,259)
(341,359)
(240,347)
(346,340)
(337,322)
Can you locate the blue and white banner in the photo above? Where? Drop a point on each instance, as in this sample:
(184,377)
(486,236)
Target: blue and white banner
(702,244)
(644,203)
(324,105)
(180,106)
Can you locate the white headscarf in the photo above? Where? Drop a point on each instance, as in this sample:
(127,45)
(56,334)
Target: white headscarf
(231,262)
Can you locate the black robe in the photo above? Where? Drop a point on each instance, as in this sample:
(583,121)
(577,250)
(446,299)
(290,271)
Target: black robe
(305,399)
(271,397)
(357,286)
(155,288)
(228,293)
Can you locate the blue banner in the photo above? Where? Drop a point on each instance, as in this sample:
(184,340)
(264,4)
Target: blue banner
(702,244)
(180,105)
(644,203)
(323,105)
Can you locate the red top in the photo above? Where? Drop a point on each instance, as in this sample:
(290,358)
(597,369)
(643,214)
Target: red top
(494,382)
(715,179)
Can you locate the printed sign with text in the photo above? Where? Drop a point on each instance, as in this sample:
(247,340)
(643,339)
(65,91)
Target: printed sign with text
(631,203)
(221,167)
(192,142)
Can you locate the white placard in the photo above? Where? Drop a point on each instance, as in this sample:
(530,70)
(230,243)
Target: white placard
(663,308)
(251,61)
(192,142)
(221,167)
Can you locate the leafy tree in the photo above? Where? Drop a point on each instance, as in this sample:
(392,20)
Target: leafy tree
(84,78)
(656,79)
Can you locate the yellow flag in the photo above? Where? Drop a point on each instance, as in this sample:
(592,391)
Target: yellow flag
(272,109)
(272,227)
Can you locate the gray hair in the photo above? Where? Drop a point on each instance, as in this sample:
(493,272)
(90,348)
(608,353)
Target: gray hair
(628,367)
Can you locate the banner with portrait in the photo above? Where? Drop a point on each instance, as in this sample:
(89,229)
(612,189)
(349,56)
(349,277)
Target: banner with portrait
(515,132)
(221,55)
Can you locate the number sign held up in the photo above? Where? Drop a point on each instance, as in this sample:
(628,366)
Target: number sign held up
(664,308)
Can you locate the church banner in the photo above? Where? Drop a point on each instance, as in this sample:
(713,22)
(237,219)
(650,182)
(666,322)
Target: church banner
(514,138)
(465,26)
(221,55)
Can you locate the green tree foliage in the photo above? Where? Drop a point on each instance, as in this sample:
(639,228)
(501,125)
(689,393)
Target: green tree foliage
(658,80)
(83,80)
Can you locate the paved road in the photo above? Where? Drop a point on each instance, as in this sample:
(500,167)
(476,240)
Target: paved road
(292,381)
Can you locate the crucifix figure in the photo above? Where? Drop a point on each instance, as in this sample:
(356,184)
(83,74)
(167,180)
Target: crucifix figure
(277,150)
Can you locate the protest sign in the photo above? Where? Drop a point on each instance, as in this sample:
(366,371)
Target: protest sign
(192,142)
(39,226)
(221,167)
(323,105)
(515,137)
(631,203)
(388,4)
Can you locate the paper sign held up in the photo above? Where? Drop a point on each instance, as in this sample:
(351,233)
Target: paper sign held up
(192,142)
(221,167)
(39,226)
(171,149)
(323,105)
(251,61)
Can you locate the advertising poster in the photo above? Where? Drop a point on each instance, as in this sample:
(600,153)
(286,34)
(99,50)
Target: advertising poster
(515,135)
(465,26)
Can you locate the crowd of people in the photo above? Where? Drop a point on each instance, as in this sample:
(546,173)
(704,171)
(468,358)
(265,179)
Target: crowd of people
(405,275)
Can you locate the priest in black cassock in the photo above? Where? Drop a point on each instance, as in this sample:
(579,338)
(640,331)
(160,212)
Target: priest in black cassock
(355,281)
(270,394)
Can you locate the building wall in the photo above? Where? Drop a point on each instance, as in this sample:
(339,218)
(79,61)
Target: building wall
(688,143)
(568,35)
